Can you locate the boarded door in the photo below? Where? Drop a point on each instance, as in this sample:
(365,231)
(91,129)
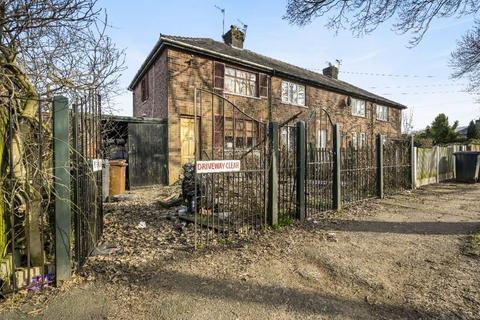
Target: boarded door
(147,150)
(187,140)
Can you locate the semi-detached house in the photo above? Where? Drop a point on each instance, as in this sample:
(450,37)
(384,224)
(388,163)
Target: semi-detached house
(265,88)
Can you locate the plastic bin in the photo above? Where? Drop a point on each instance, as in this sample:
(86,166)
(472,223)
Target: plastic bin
(117,177)
(467,166)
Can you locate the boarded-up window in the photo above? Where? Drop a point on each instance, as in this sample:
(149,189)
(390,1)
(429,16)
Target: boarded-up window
(263,85)
(219,74)
(246,132)
(144,88)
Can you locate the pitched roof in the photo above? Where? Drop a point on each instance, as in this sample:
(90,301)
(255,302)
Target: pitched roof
(223,51)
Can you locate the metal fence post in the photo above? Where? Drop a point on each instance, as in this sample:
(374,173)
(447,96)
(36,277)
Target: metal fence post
(336,192)
(413,161)
(300,149)
(380,166)
(272,212)
(63,214)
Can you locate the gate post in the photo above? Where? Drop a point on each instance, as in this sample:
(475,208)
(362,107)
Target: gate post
(380,181)
(336,185)
(272,212)
(61,165)
(300,159)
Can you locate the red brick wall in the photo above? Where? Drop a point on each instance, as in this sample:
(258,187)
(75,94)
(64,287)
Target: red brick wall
(156,104)
(178,73)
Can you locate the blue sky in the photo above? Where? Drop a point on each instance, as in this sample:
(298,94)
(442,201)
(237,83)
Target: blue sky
(421,75)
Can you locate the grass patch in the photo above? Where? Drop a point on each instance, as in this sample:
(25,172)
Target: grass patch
(472,247)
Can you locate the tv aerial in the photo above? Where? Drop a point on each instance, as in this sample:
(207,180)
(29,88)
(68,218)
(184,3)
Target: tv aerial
(244,26)
(222,10)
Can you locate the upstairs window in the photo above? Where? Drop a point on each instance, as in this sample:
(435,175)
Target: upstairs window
(240,82)
(382,113)
(358,108)
(293,93)
(144,88)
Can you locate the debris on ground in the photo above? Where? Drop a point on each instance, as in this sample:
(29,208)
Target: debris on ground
(123,197)
(171,200)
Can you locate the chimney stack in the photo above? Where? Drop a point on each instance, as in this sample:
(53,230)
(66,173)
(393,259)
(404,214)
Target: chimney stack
(234,37)
(331,72)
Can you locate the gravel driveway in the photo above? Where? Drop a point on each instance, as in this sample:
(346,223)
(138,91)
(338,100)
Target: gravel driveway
(402,257)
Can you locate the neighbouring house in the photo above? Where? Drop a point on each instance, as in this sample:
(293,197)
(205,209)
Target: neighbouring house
(462,131)
(263,87)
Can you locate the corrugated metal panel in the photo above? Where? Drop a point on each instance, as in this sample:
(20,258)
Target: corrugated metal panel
(147,154)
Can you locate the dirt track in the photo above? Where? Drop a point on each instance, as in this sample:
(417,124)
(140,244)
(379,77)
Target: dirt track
(398,258)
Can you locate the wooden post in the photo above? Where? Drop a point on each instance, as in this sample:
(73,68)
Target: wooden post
(300,159)
(413,161)
(272,212)
(380,166)
(63,214)
(337,192)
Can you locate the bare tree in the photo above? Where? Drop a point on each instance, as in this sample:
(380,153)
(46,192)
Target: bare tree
(407,121)
(47,47)
(465,59)
(410,16)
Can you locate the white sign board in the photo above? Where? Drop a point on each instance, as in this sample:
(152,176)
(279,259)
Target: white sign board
(218,166)
(96,164)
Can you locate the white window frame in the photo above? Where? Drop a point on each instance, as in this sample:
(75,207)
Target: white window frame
(359,108)
(241,78)
(290,93)
(382,112)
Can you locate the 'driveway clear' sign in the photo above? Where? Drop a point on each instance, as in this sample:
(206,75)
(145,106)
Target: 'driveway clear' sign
(213,166)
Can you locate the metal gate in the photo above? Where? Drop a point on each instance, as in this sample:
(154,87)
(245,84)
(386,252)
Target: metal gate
(397,165)
(86,166)
(287,173)
(319,162)
(228,204)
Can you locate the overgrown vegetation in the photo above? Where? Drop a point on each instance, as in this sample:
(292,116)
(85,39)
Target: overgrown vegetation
(47,47)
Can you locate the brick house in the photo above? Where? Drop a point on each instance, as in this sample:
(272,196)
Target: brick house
(263,87)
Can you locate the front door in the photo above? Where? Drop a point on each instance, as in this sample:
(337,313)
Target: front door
(187,140)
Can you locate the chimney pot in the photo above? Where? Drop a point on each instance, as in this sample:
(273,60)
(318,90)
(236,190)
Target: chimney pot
(234,37)
(331,72)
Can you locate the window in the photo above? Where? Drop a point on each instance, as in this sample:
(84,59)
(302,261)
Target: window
(358,108)
(293,93)
(322,139)
(287,137)
(382,112)
(144,88)
(246,132)
(359,140)
(240,82)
